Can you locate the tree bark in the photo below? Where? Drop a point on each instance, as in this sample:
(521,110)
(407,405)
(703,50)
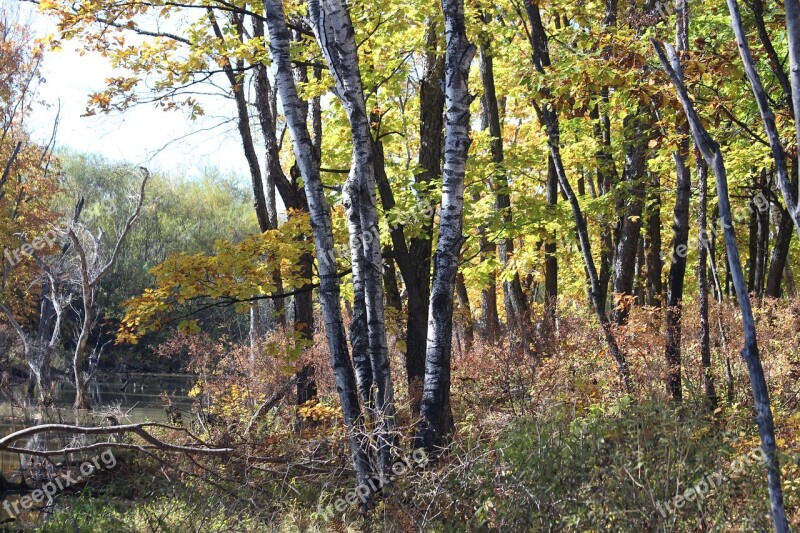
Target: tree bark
(713,156)
(680,229)
(468,329)
(329,293)
(336,35)
(414,257)
(652,246)
(702,285)
(390,280)
(780,253)
(793,36)
(762,212)
(293,197)
(627,244)
(436,422)
(550,257)
(767,116)
(490,318)
(518,314)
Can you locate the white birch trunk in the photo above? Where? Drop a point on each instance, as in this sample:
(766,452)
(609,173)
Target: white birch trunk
(294,111)
(336,35)
(435,410)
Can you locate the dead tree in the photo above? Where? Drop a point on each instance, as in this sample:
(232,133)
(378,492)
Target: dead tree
(91,269)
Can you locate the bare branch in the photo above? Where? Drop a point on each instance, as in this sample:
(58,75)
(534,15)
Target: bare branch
(138,429)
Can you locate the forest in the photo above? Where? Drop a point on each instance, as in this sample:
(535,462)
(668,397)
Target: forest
(523,265)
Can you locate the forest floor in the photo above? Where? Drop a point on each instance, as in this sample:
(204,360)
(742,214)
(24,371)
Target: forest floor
(538,447)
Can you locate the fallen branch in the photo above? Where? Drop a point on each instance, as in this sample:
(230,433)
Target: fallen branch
(138,429)
(271,402)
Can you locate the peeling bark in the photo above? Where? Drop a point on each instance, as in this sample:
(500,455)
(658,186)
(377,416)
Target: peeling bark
(336,36)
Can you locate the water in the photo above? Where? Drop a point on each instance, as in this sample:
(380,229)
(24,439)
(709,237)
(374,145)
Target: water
(141,401)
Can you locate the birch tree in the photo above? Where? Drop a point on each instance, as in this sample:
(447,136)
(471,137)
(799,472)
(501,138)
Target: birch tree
(329,290)
(336,35)
(436,421)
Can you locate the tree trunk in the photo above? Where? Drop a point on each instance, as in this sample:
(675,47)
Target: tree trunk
(767,116)
(274,171)
(255,333)
(549,119)
(323,234)
(775,63)
(702,285)
(234,71)
(793,35)
(680,229)
(390,280)
(304,324)
(266,212)
(359,325)
(652,246)
(490,318)
(779,255)
(628,242)
(437,421)
(607,175)
(431,116)
(293,198)
(414,258)
(752,256)
(780,252)
(550,257)
(762,209)
(336,36)
(518,315)
(468,329)
(713,156)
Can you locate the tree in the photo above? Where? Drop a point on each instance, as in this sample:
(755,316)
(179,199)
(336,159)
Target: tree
(27,186)
(437,421)
(713,157)
(518,314)
(548,117)
(677,270)
(91,268)
(335,33)
(323,234)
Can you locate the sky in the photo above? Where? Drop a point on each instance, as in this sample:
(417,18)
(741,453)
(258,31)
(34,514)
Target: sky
(141,136)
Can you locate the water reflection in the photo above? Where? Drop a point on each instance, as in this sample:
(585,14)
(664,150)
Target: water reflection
(138,396)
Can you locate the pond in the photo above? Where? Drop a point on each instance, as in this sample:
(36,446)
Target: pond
(138,396)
